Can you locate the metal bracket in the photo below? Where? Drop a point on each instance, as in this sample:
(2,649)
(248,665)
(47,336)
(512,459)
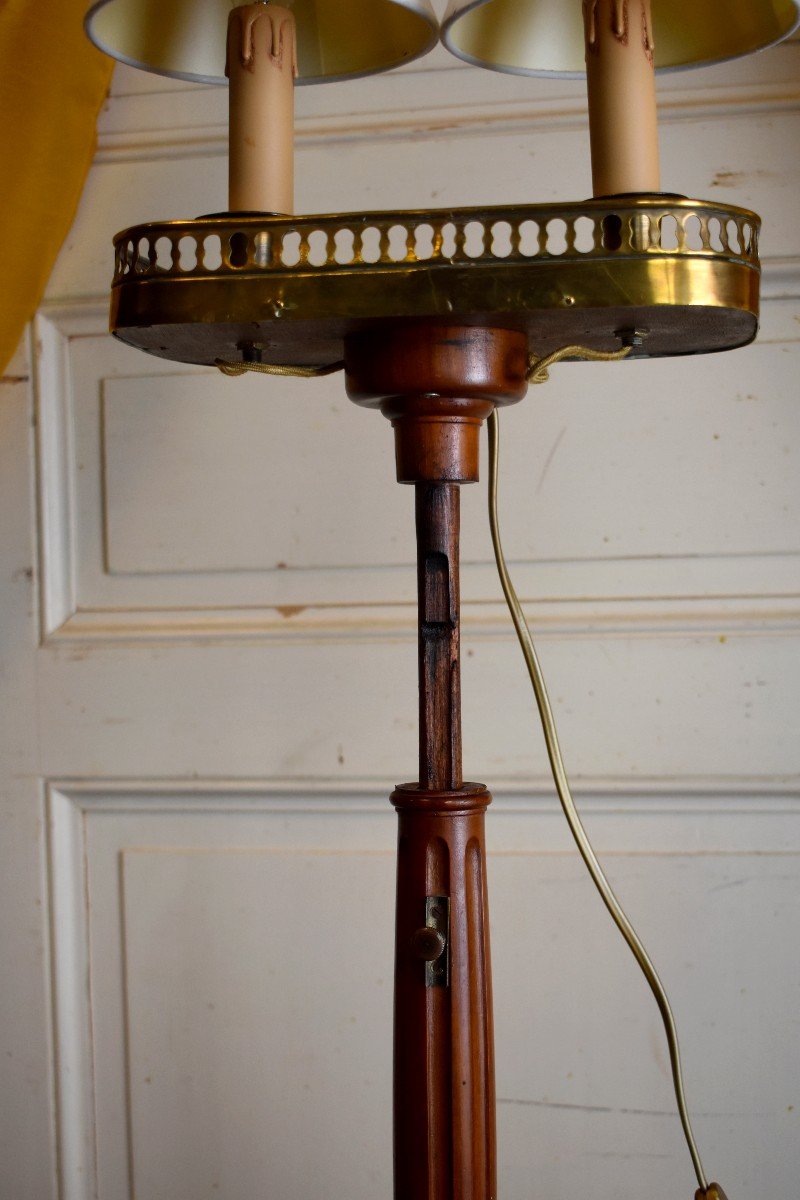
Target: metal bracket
(431,943)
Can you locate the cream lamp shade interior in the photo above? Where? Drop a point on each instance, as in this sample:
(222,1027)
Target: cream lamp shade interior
(546,37)
(336,39)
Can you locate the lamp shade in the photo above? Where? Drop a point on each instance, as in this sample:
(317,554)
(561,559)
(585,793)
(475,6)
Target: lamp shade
(546,37)
(336,39)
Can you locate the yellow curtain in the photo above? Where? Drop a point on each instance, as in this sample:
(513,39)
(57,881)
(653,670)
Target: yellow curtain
(52,85)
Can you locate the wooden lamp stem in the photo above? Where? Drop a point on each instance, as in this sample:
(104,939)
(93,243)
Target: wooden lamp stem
(438,522)
(437,384)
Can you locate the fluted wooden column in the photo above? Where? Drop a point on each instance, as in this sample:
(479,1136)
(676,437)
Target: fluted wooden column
(444,1102)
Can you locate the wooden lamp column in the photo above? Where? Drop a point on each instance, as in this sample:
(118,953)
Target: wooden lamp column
(437,384)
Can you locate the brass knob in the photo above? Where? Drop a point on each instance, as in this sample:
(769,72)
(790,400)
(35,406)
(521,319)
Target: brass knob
(428,944)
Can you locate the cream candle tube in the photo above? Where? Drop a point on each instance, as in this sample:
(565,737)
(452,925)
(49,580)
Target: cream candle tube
(261,67)
(620,79)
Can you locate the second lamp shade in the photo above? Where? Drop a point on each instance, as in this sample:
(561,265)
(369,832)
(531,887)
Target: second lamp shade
(537,37)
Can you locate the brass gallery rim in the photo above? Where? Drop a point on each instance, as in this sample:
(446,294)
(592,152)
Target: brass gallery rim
(684,271)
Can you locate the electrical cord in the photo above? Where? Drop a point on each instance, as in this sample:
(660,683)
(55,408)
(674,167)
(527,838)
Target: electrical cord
(560,776)
(289,372)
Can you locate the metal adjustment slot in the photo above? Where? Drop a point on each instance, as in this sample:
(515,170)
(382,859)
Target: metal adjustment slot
(431,943)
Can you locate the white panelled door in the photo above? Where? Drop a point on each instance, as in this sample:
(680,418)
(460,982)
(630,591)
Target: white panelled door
(207,680)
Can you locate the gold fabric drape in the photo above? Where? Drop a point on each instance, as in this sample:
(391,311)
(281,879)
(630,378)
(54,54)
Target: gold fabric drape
(52,85)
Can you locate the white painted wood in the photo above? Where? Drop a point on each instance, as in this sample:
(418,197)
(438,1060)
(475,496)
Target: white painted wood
(151,549)
(205,903)
(196,742)
(52,394)
(705,708)
(250,451)
(27,1117)
(430,95)
(181,455)
(72,999)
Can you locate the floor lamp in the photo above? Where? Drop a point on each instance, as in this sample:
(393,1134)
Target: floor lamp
(439,317)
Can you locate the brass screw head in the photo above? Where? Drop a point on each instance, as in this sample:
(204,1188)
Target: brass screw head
(428,944)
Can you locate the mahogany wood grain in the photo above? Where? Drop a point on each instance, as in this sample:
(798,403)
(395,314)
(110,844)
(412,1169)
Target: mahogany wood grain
(437,513)
(444,1098)
(437,384)
(444,1105)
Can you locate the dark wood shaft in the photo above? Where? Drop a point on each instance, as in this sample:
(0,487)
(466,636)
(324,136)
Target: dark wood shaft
(444,1105)
(444,1099)
(437,512)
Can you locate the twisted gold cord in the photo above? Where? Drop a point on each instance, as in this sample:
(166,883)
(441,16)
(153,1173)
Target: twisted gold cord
(538,367)
(538,374)
(241,368)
